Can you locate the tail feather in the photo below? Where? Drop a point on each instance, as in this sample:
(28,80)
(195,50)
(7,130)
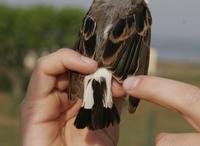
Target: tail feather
(99,116)
(102,116)
(133,104)
(98,108)
(83,118)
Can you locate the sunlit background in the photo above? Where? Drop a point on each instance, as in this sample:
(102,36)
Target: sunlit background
(31,28)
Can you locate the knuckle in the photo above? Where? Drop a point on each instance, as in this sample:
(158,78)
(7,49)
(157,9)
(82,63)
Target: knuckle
(41,63)
(67,51)
(64,50)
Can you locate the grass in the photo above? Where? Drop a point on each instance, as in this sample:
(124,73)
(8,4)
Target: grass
(136,130)
(9,135)
(188,73)
(9,123)
(139,129)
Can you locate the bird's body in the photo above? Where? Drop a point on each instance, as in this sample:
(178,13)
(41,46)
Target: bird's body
(115,33)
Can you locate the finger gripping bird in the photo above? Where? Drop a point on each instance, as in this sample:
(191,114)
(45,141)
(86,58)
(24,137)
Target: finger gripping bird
(116,34)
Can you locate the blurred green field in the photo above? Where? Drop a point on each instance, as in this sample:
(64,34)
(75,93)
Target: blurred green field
(136,130)
(140,129)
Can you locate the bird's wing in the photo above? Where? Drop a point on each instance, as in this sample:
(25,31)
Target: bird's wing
(127,48)
(87,37)
(85,45)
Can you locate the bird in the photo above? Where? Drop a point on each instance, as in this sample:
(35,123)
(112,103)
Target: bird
(117,35)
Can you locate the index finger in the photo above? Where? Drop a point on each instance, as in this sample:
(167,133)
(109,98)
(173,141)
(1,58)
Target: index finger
(44,76)
(171,94)
(63,60)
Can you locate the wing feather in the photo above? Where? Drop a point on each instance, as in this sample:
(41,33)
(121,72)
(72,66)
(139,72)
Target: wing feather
(133,56)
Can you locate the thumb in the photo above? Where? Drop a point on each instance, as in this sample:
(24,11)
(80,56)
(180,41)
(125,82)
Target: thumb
(186,139)
(174,95)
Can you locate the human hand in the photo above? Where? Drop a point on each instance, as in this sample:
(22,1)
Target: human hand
(174,95)
(47,116)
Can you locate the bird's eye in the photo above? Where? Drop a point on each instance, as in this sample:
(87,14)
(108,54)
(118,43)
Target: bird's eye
(89,26)
(119,28)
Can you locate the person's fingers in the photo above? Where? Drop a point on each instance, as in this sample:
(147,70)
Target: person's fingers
(73,111)
(44,76)
(165,139)
(175,95)
(63,100)
(65,59)
(62,82)
(117,90)
(46,109)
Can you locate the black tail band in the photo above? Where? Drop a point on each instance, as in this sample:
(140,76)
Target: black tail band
(98,117)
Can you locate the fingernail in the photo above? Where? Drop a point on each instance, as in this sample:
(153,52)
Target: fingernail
(87,60)
(131,83)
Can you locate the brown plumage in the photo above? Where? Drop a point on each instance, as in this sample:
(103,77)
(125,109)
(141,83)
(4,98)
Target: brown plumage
(115,33)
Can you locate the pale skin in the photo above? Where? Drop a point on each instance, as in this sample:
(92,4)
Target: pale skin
(47,115)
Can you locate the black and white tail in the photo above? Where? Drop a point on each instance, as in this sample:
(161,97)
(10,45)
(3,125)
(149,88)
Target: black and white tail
(98,110)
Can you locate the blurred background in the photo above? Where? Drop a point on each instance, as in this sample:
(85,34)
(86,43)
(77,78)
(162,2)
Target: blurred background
(31,28)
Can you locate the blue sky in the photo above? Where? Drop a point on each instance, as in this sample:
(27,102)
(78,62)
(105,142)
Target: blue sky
(180,18)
